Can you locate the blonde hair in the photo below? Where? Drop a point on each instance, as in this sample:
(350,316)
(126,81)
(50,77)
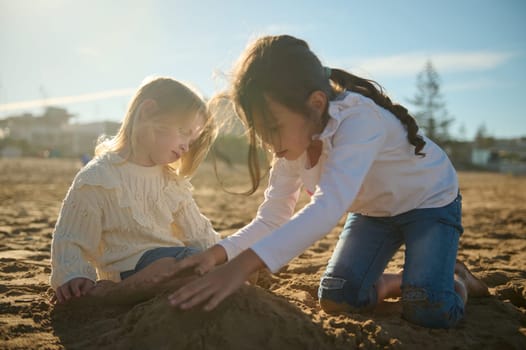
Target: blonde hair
(170,96)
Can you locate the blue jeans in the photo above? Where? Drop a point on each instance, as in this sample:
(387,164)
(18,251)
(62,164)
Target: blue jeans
(155,254)
(368,243)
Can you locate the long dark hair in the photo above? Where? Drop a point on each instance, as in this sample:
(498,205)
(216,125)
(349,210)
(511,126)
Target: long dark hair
(284,69)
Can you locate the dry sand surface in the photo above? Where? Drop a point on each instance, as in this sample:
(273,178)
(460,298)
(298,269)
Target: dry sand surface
(281,312)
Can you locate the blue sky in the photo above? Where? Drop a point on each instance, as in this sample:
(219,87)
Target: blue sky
(89,56)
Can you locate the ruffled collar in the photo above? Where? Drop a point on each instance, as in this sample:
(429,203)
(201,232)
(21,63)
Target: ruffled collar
(147,191)
(336,106)
(136,169)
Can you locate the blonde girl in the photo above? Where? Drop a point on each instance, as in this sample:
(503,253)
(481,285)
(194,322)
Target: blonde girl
(130,209)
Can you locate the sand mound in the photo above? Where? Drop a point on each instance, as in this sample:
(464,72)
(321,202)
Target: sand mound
(252,318)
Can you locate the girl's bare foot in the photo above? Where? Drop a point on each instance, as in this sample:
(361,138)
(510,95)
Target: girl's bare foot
(475,287)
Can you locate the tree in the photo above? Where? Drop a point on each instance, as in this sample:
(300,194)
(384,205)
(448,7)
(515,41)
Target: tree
(482,138)
(431,113)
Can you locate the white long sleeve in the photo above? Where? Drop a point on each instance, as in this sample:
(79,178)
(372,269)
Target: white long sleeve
(281,197)
(367,166)
(336,191)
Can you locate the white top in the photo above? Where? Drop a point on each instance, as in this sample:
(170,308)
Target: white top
(367,166)
(115,211)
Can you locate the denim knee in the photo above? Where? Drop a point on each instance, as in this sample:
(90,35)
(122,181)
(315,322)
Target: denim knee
(431,310)
(340,290)
(155,254)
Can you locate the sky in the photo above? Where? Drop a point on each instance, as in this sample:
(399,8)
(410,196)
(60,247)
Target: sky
(90,56)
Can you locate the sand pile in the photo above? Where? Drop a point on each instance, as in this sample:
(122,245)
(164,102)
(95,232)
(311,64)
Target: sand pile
(252,318)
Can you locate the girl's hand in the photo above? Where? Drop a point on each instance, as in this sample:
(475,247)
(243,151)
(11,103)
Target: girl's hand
(200,263)
(215,286)
(76,287)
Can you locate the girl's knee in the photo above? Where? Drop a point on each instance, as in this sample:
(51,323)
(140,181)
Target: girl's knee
(339,295)
(432,310)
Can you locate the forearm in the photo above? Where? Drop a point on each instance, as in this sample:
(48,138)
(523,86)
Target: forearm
(247,263)
(76,237)
(281,197)
(68,262)
(244,238)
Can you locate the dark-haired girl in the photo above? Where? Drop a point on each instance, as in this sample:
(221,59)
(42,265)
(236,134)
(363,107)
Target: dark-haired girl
(354,151)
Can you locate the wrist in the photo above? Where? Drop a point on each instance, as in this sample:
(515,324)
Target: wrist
(218,253)
(249,262)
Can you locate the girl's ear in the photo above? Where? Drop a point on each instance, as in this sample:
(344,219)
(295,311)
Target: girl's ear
(317,101)
(148,107)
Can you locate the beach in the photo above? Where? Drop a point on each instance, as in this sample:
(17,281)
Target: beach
(280,311)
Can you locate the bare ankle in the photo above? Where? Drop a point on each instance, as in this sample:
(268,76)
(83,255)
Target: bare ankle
(461,290)
(388,286)
(474,286)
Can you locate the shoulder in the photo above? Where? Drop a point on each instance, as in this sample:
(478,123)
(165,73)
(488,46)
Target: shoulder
(353,105)
(355,118)
(99,171)
(349,103)
(353,112)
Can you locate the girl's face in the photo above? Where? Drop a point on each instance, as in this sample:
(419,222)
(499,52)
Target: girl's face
(290,132)
(167,142)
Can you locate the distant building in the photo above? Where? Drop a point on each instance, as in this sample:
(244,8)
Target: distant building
(83,137)
(50,134)
(460,153)
(41,132)
(502,155)
(11,152)
(480,156)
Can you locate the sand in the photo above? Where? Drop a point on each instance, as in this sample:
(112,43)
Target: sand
(281,311)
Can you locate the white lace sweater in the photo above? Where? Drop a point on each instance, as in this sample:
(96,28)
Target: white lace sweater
(114,212)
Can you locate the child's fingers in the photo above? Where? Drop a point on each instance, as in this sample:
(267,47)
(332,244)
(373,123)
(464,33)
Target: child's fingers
(60,295)
(197,299)
(180,266)
(75,287)
(66,292)
(185,293)
(204,267)
(163,276)
(86,286)
(184,264)
(177,268)
(215,300)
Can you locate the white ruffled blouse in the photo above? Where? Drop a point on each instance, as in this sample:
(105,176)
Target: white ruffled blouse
(114,212)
